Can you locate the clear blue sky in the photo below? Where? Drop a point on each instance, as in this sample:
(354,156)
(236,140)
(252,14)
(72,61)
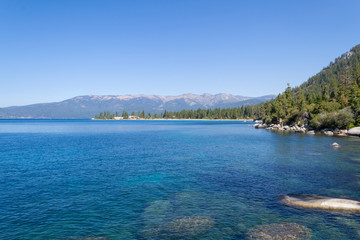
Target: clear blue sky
(58,49)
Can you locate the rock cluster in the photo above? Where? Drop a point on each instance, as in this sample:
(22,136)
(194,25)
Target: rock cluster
(337,132)
(283,231)
(260,125)
(305,129)
(279,127)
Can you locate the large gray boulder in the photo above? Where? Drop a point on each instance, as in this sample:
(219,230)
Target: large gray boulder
(320,202)
(354,131)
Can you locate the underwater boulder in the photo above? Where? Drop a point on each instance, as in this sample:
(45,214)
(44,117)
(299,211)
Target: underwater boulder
(188,226)
(156,212)
(279,231)
(154,216)
(320,202)
(191,203)
(335,145)
(89,238)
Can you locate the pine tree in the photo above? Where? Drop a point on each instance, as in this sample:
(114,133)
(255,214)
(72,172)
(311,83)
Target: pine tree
(125,114)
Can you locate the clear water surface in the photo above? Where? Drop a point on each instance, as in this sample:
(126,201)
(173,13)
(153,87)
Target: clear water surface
(67,179)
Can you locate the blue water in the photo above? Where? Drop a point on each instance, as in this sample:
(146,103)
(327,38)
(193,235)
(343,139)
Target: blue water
(67,179)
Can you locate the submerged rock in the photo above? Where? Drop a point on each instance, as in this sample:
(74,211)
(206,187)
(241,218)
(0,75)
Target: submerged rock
(320,202)
(156,212)
(89,238)
(354,131)
(154,216)
(188,226)
(335,145)
(350,223)
(185,227)
(191,203)
(279,231)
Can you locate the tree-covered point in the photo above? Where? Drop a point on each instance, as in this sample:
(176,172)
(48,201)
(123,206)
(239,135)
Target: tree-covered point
(243,112)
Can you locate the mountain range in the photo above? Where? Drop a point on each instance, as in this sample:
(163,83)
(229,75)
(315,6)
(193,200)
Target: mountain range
(89,105)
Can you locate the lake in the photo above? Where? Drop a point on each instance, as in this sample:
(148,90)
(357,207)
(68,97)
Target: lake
(70,179)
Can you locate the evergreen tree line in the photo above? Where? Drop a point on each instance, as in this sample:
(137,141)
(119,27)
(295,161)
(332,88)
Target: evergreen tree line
(243,112)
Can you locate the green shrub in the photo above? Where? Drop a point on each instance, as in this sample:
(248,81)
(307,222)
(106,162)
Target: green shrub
(329,106)
(357,122)
(267,120)
(340,119)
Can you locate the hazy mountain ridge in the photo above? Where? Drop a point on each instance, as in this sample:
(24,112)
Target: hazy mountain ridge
(87,106)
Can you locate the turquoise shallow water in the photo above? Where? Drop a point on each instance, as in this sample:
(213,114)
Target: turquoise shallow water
(64,179)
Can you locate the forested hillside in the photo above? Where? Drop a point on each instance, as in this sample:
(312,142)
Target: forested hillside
(330,99)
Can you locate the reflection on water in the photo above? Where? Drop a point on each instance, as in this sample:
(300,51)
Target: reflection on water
(168,180)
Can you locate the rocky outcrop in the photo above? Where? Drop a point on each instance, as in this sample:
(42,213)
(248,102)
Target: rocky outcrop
(320,202)
(259,125)
(283,231)
(354,131)
(280,127)
(305,129)
(341,133)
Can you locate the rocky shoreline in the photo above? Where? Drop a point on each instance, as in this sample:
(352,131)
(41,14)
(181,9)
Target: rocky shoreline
(307,130)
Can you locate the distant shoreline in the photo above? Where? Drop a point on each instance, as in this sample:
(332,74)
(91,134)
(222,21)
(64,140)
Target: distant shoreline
(157,119)
(176,119)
